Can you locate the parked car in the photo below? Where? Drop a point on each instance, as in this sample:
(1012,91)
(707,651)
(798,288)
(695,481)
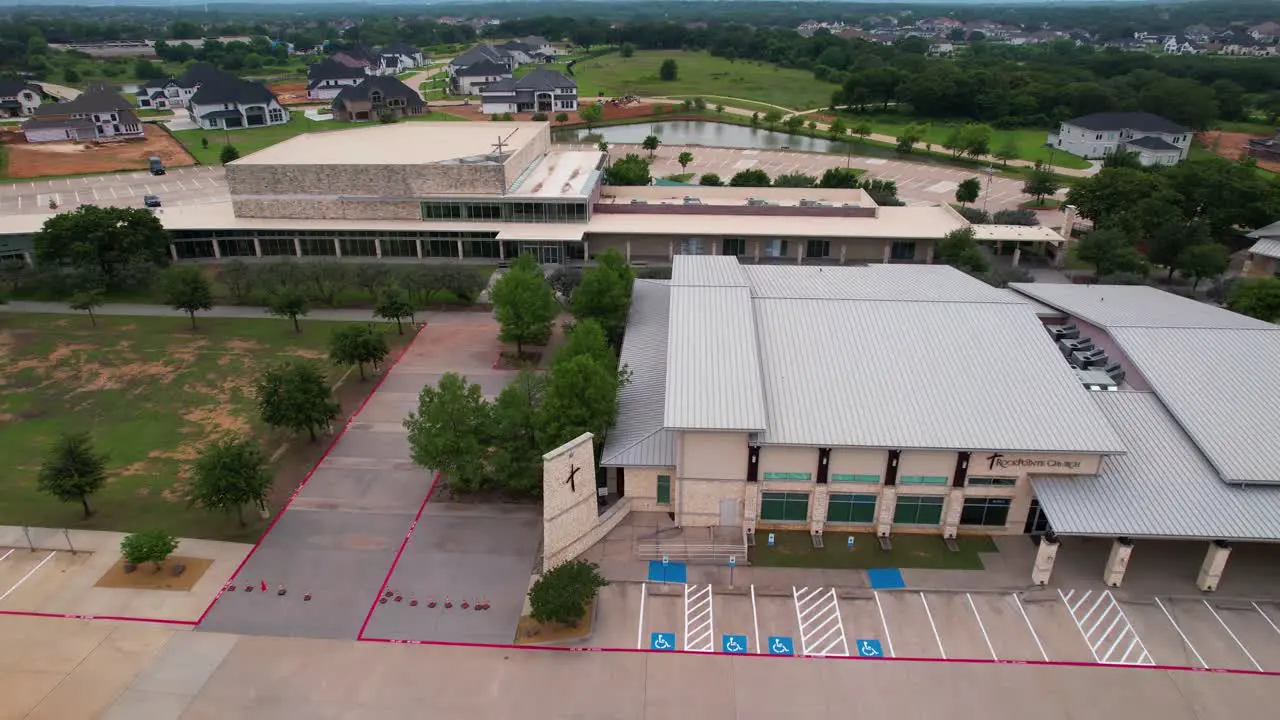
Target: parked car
(157,166)
(151,201)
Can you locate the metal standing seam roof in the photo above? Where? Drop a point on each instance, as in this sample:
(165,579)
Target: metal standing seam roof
(1267,248)
(1163,487)
(1113,306)
(937,283)
(638,439)
(1266,231)
(921,375)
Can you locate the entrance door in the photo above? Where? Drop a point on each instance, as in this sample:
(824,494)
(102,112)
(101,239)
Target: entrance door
(549,255)
(730,512)
(1037,521)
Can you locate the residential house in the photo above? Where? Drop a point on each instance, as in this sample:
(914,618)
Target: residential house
(1156,141)
(942,48)
(99,114)
(328,77)
(938,25)
(471,79)
(1180,45)
(18,98)
(543,90)
(809,27)
(174,92)
(483,53)
(375,96)
(225,102)
(364,58)
(1263,259)
(1267,32)
(521,53)
(541,45)
(1198,33)
(400,57)
(1127,44)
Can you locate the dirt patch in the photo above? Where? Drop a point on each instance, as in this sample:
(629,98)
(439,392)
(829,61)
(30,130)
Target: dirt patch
(33,160)
(291,93)
(1231,145)
(148,577)
(308,354)
(218,419)
(532,632)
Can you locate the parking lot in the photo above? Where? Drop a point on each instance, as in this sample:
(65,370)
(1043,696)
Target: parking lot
(178,186)
(1041,626)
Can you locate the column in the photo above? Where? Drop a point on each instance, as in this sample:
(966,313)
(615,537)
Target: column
(297,247)
(1117,562)
(844,248)
(459,249)
(818,515)
(884,515)
(999,247)
(951,512)
(750,507)
(257,247)
(1017,255)
(888,250)
(26,258)
(756,245)
(418,243)
(586,250)
(377,247)
(671,250)
(217,252)
(337,247)
(928,255)
(715,246)
(628,252)
(173,252)
(1215,560)
(502,250)
(800,251)
(1046,554)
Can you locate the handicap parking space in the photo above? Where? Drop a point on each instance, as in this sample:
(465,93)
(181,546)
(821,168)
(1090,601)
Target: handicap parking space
(662,619)
(776,620)
(863,627)
(734,624)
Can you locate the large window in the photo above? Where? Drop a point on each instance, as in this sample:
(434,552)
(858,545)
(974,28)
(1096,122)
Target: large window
(733,246)
(922,480)
(441,211)
(272,246)
(534,212)
(902,250)
(317,246)
(915,510)
(991,482)
(842,508)
(817,248)
(845,478)
(989,512)
(237,248)
(358,247)
(784,507)
(440,248)
(664,489)
(399,247)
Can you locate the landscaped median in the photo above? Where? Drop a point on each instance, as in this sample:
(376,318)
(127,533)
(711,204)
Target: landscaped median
(794,549)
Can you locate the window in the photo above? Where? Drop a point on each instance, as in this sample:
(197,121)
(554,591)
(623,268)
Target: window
(922,480)
(441,211)
(733,246)
(989,512)
(399,247)
(991,482)
(902,250)
(842,508)
(276,115)
(375,97)
(784,507)
(918,511)
(440,248)
(277,246)
(870,479)
(664,489)
(484,211)
(1099,137)
(363,247)
(317,246)
(788,476)
(775,248)
(817,249)
(691,246)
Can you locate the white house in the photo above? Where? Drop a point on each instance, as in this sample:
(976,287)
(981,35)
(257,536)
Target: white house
(328,77)
(542,91)
(1174,45)
(1156,141)
(471,79)
(541,45)
(399,57)
(483,53)
(174,92)
(18,98)
(225,102)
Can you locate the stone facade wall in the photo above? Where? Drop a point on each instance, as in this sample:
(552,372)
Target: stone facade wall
(569,511)
(521,159)
(387,181)
(642,488)
(324,208)
(698,500)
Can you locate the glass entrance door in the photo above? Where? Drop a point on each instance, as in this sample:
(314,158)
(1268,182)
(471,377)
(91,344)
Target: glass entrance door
(544,254)
(1037,521)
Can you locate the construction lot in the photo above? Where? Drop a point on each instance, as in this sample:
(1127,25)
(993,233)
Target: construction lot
(36,160)
(1091,627)
(178,186)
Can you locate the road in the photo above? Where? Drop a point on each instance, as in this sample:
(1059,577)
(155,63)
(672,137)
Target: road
(180,186)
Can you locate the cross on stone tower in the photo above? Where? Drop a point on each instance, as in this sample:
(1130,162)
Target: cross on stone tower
(573,471)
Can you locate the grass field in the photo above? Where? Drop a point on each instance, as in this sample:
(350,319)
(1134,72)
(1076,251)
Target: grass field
(1029,142)
(253,139)
(701,74)
(150,391)
(795,549)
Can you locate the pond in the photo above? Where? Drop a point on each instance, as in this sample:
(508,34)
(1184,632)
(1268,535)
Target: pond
(709,133)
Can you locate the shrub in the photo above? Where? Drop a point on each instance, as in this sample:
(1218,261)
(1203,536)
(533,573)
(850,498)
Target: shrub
(562,117)
(540,117)
(1001,276)
(563,593)
(1123,278)
(977,216)
(1015,217)
(151,546)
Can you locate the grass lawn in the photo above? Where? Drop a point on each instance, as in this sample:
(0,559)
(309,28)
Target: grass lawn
(151,392)
(1253,128)
(253,139)
(701,74)
(1029,142)
(795,549)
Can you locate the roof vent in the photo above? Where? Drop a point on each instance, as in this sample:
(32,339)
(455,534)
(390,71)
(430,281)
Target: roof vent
(638,201)
(691,200)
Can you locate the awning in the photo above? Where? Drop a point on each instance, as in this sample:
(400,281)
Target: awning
(545,233)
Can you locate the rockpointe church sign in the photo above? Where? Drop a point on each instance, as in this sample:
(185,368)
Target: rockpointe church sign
(1008,464)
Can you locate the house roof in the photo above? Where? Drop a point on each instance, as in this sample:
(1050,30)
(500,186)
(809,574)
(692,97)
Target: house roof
(518,46)
(1267,248)
(399,48)
(197,73)
(544,79)
(1151,142)
(330,69)
(92,100)
(1141,121)
(38,123)
(1267,231)
(388,85)
(1163,486)
(479,53)
(505,86)
(483,68)
(10,87)
(1117,306)
(226,88)
(639,439)
(220,114)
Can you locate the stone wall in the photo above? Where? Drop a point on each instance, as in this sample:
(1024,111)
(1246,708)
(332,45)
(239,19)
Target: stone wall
(642,488)
(383,181)
(324,208)
(571,522)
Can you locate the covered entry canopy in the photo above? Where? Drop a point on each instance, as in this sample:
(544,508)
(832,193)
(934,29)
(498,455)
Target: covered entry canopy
(543,232)
(1163,487)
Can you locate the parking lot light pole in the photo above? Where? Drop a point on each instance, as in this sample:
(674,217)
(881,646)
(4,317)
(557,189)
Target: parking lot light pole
(987,195)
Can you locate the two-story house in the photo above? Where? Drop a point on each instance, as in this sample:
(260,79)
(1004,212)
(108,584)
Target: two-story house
(483,53)
(399,57)
(1179,45)
(18,98)
(225,102)
(376,96)
(369,61)
(1156,141)
(176,92)
(99,114)
(471,79)
(543,90)
(329,77)
(541,45)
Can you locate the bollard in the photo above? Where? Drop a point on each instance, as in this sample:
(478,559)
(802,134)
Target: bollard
(382,601)
(399,598)
(281,590)
(306,597)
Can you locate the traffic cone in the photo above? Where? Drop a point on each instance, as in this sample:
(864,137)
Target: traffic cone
(306,597)
(431,602)
(248,588)
(281,590)
(382,601)
(389,593)
(413,602)
(485,605)
(448,603)
(231,587)
(263,585)
(399,598)
(465,605)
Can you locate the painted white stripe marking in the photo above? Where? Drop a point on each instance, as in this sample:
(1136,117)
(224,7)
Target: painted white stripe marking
(981,626)
(1223,623)
(1181,634)
(936,636)
(888,639)
(11,552)
(755,620)
(640,624)
(1255,607)
(1017,601)
(28,575)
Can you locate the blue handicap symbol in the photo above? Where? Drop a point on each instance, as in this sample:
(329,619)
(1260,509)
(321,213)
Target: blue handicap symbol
(782,646)
(869,648)
(736,644)
(662,641)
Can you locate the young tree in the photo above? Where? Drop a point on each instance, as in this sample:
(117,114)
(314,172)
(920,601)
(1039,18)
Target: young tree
(838,177)
(651,143)
(291,303)
(187,289)
(102,239)
(1007,151)
(720,109)
(967,191)
(1256,297)
(1204,262)
(564,592)
(710,180)
(793,123)
(669,70)
(581,396)
(629,170)
(627,50)
(836,129)
(604,295)
(863,130)
(750,178)
(755,119)
(684,159)
(772,117)
(954,140)
(959,250)
(975,139)
(229,153)
(295,396)
(1041,183)
(393,304)
(590,113)
(357,345)
(603,146)
(230,474)
(87,300)
(524,305)
(151,546)
(449,432)
(515,463)
(72,470)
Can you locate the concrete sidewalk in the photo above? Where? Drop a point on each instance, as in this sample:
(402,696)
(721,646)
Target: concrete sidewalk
(218,311)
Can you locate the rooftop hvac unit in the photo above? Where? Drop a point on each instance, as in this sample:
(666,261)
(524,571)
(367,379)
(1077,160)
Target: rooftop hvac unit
(755,201)
(638,201)
(1063,332)
(1075,345)
(691,200)
(805,202)
(1089,360)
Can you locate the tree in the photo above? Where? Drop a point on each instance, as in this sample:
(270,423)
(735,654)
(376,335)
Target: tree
(836,129)
(793,123)
(151,546)
(524,304)
(755,119)
(772,117)
(1040,183)
(590,113)
(838,177)
(295,396)
(795,180)
(1110,252)
(959,250)
(651,143)
(720,109)
(581,396)
(72,470)
(448,433)
(1007,151)
(230,474)
(954,140)
(87,300)
(1204,261)
(975,139)
(1169,241)
(684,159)
(710,180)
(603,146)
(604,295)
(393,304)
(629,170)
(1256,297)
(187,289)
(627,50)
(563,593)
(357,345)
(229,153)
(967,191)
(105,239)
(289,302)
(750,178)
(237,276)
(669,70)
(515,462)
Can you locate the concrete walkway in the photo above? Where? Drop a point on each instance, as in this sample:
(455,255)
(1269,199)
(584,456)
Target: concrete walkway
(218,311)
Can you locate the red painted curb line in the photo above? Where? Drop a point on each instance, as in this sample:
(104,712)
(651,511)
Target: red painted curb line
(119,618)
(332,443)
(396,561)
